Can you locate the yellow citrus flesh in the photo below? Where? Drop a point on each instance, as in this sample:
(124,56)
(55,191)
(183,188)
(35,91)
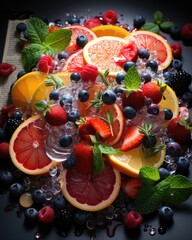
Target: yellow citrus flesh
(102,51)
(42,91)
(26,147)
(131,161)
(23,89)
(91,193)
(155,43)
(110,30)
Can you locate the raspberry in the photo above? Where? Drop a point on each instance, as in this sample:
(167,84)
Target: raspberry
(6,69)
(89,73)
(132,219)
(46,64)
(53,28)
(110,17)
(93,22)
(4,150)
(46,214)
(176,49)
(186,31)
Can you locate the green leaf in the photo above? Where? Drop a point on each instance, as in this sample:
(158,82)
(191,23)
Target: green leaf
(149,174)
(132,79)
(98,161)
(37,30)
(52,80)
(108,150)
(165,26)
(180,189)
(152,27)
(158,17)
(59,40)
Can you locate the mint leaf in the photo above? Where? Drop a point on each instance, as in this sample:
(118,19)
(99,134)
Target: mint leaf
(149,174)
(98,161)
(59,40)
(180,189)
(158,17)
(108,150)
(151,27)
(132,79)
(37,30)
(165,26)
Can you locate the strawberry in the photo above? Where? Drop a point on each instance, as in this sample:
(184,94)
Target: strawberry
(136,99)
(186,31)
(101,127)
(93,22)
(110,17)
(180,130)
(4,150)
(131,186)
(53,28)
(176,50)
(132,219)
(84,158)
(46,214)
(6,69)
(89,73)
(133,138)
(153,91)
(46,64)
(56,115)
(85,129)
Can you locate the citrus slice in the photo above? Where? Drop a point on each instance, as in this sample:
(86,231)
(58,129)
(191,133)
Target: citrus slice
(26,147)
(131,161)
(91,193)
(102,53)
(23,89)
(156,44)
(78,30)
(42,91)
(75,62)
(110,30)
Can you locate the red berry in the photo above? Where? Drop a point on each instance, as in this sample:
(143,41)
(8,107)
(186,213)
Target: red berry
(153,91)
(6,69)
(4,150)
(133,219)
(53,28)
(186,31)
(89,73)
(136,99)
(56,115)
(110,17)
(176,50)
(46,214)
(131,186)
(93,22)
(46,64)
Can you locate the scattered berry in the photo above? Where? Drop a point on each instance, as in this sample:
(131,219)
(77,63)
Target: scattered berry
(135,99)
(6,69)
(93,22)
(81,41)
(46,64)
(153,91)
(131,186)
(110,17)
(16,190)
(31,215)
(46,214)
(56,115)
(132,219)
(176,50)
(89,73)
(166,213)
(4,150)
(138,21)
(186,32)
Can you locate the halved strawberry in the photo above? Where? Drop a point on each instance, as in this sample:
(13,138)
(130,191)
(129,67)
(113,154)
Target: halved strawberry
(101,127)
(131,186)
(133,138)
(84,158)
(85,129)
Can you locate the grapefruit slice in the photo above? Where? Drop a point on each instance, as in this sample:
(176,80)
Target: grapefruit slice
(91,193)
(26,147)
(110,30)
(156,44)
(78,30)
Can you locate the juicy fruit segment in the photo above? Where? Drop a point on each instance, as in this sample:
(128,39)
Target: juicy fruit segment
(154,42)
(102,53)
(91,193)
(131,161)
(110,30)
(23,89)
(26,147)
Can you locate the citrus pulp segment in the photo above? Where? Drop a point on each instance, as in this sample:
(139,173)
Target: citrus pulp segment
(23,89)
(155,44)
(78,30)
(26,147)
(42,91)
(91,193)
(110,30)
(131,161)
(102,53)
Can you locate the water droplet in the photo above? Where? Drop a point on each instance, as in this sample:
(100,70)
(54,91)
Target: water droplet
(152,231)
(161,230)
(37,235)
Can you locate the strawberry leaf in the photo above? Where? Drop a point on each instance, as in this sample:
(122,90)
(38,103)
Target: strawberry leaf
(98,161)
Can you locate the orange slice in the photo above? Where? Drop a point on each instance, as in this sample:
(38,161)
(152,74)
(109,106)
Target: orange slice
(26,147)
(91,193)
(102,52)
(155,43)
(110,30)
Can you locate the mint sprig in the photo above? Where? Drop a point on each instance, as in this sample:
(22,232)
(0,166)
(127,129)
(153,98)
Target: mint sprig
(43,42)
(172,190)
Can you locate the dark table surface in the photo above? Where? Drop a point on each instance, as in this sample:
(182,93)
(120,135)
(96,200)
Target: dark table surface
(12,225)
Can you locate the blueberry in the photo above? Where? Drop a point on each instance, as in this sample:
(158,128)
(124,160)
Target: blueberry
(21,73)
(31,215)
(16,115)
(129,112)
(153,109)
(143,53)
(183,164)
(118,90)
(166,213)
(149,141)
(177,64)
(65,141)
(6,178)
(21,27)
(128,65)
(3,135)
(120,77)
(83,95)
(16,190)
(62,55)
(108,97)
(168,113)
(54,95)
(145,77)
(58,22)
(69,162)
(175,32)
(80,217)
(38,196)
(173,149)
(73,115)
(58,202)
(75,76)
(66,99)
(163,173)
(73,20)
(138,21)
(187,98)
(152,65)
(81,40)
